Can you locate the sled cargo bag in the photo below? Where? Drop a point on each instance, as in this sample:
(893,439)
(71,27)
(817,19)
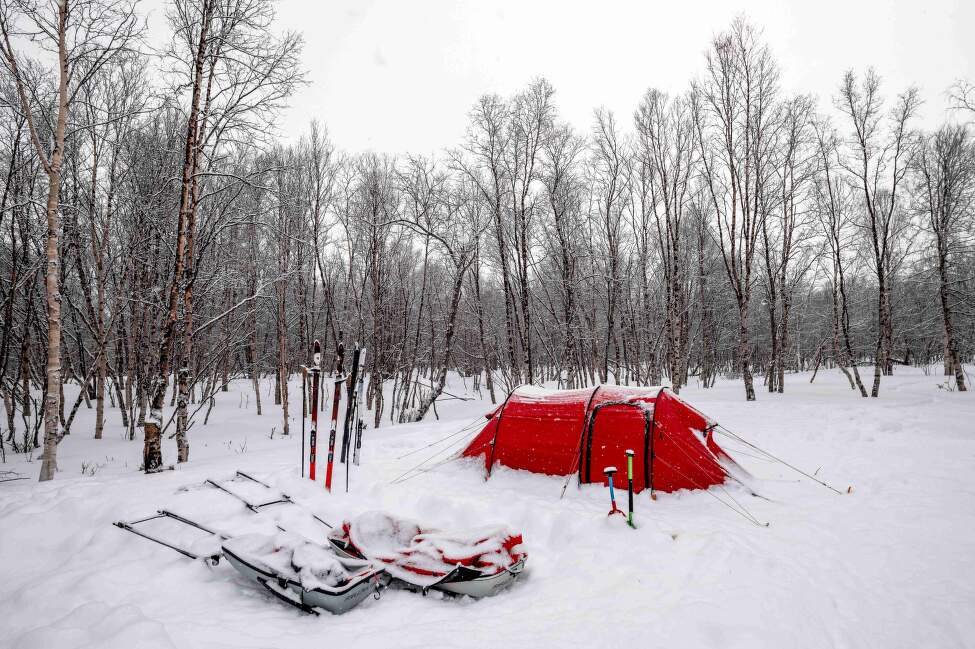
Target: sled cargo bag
(477,563)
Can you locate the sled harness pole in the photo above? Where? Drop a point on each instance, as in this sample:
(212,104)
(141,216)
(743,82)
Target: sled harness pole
(132,526)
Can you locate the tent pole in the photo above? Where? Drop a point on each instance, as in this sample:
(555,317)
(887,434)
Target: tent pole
(497,429)
(653,426)
(577,463)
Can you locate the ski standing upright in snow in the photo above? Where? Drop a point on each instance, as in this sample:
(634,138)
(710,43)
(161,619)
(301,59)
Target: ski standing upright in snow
(316,370)
(336,397)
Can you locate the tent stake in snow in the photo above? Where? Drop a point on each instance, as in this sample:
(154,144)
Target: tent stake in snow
(629,475)
(610,471)
(316,370)
(336,397)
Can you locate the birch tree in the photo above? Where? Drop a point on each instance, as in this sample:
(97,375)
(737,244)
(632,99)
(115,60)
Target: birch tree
(82,36)
(880,149)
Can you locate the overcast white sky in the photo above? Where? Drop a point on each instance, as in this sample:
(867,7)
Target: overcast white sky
(402,75)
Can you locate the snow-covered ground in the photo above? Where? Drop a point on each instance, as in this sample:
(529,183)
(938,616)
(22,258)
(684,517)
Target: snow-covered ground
(891,565)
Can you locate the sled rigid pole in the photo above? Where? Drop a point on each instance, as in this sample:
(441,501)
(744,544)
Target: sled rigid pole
(132,526)
(254,507)
(280,498)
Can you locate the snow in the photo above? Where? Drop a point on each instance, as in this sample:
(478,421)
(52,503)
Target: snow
(890,565)
(292,557)
(318,567)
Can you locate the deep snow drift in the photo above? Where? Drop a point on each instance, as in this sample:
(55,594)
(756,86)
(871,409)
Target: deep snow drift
(891,565)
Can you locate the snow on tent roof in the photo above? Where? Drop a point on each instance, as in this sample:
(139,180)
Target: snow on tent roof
(559,432)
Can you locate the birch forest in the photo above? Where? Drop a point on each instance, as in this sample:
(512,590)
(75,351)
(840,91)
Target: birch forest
(159,239)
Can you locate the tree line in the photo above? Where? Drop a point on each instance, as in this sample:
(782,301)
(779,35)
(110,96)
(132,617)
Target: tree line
(158,240)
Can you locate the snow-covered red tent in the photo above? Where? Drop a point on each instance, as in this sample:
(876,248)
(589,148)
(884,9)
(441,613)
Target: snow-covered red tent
(560,432)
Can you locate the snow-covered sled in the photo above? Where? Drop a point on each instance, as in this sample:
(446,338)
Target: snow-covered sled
(477,563)
(303,574)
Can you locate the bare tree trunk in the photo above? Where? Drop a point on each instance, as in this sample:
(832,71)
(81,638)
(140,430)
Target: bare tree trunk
(479,308)
(152,452)
(745,352)
(52,166)
(838,355)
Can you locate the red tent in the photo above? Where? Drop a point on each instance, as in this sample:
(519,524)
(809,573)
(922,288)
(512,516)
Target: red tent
(559,432)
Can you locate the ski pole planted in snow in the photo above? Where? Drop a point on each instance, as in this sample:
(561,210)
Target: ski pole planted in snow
(304,395)
(351,410)
(629,476)
(609,472)
(316,370)
(360,424)
(350,405)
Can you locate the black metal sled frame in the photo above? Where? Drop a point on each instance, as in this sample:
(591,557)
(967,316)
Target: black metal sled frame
(285,499)
(274,584)
(254,507)
(214,559)
(130,526)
